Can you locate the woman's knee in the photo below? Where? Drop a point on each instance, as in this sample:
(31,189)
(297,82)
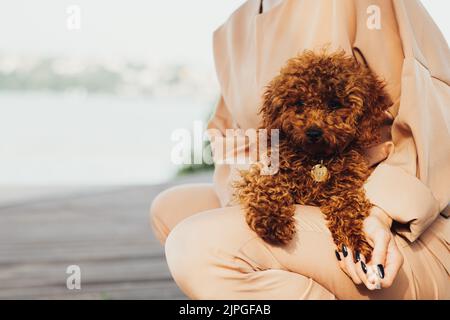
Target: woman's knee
(186,255)
(177,203)
(202,250)
(159,211)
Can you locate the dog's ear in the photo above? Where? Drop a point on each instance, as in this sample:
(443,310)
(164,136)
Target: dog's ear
(376,101)
(272,106)
(373,96)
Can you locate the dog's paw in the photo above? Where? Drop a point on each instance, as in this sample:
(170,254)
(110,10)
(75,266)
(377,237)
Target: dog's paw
(360,245)
(355,244)
(275,230)
(365,249)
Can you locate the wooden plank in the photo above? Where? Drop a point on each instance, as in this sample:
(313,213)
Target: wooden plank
(138,291)
(105,232)
(54,274)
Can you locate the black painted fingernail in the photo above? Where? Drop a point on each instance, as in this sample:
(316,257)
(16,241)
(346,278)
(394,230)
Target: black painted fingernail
(338,256)
(380,271)
(344,250)
(357,256)
(363,267)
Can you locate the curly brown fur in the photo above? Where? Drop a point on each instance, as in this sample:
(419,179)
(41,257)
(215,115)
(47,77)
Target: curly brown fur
(345,101)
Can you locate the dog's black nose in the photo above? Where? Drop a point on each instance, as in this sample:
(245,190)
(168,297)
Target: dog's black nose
(314,133)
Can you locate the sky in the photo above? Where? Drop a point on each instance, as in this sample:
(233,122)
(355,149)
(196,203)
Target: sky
(136,29)
(158,31)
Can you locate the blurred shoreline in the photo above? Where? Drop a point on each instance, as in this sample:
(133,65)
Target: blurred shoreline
(118,77)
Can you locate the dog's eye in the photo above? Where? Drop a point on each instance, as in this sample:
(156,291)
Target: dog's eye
(300,103)
(334,104)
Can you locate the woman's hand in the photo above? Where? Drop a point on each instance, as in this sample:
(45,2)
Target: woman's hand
(386,257)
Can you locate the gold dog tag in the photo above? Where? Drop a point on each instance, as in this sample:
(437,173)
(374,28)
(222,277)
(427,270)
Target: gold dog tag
(319,172)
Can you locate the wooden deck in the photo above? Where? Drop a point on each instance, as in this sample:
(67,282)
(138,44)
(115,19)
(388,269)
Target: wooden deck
(105,232)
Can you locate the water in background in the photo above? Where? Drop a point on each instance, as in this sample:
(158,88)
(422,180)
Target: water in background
(58,139)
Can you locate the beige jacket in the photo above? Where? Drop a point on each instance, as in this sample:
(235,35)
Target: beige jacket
(412,178)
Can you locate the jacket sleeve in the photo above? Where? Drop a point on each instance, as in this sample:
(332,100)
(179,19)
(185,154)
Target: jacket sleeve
(413,184)
(227,148)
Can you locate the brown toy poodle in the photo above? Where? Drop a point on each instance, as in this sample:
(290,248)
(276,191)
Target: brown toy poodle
(327,107)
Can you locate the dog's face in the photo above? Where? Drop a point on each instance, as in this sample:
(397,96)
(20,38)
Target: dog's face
(323,102)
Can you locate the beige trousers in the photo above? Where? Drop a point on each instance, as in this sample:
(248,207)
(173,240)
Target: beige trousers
(213,254)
